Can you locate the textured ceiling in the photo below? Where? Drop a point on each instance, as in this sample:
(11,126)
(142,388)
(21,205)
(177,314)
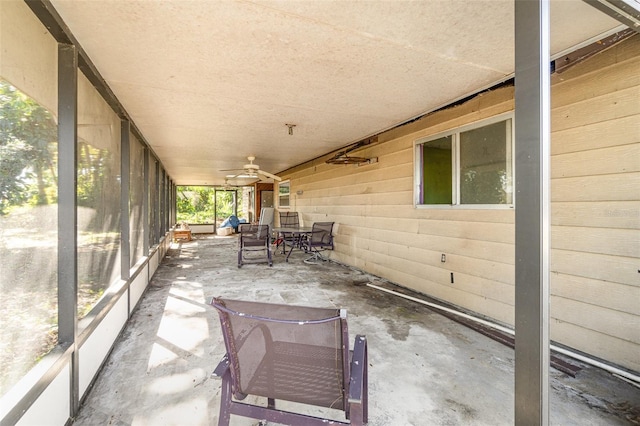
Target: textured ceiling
(209,83)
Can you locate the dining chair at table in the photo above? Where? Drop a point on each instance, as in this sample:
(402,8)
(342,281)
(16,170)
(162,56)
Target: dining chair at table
(319,240)
(288,220)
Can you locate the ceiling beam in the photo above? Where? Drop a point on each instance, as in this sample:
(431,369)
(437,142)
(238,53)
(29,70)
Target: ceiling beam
(625,11)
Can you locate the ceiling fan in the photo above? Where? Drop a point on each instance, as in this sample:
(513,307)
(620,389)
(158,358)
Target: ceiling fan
(229,186)
(251,170)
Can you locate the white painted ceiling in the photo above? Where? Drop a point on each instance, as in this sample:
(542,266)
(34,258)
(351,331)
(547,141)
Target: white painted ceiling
(209,83)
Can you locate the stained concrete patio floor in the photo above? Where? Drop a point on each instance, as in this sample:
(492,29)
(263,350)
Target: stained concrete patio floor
(425,369)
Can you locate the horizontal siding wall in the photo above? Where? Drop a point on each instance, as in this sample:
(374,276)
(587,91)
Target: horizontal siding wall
(379,230)
(595,190)
(595,284)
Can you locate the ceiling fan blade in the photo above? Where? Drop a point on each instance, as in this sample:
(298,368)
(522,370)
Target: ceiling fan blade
(231,170)
(269,175)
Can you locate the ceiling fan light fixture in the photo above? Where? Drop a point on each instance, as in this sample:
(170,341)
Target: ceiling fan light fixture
(252,171)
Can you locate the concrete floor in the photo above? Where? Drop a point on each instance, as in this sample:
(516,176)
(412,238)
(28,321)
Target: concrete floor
(424,368)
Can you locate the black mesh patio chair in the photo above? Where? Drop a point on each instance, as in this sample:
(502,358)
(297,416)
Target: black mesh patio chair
(253,244)
(290,353)
(288,220)
(318,240)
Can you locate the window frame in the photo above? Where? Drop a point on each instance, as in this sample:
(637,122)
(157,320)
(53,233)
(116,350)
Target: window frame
(287,196)
(455,164)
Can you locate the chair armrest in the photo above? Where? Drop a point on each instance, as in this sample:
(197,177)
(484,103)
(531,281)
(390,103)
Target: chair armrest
(222,368)
(358,369)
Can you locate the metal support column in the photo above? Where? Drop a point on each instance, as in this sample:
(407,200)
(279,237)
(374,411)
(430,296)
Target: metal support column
(174,204)
(125,182)
(67,209)
(156,204)
(145,204)
(532,223)
(163,201)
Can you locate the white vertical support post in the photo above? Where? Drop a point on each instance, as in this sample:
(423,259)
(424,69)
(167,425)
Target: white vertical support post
(532,222)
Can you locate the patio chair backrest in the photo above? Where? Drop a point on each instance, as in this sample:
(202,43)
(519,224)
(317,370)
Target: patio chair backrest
(252,234)
(254,239)
(321,235)
(289,219)
(293,353)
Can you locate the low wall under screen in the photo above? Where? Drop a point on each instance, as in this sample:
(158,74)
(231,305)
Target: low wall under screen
(52,407)
(96,348)
(137,287)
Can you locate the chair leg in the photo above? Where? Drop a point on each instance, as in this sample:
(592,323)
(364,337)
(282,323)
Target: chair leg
(315,257)
(356,414)
(365,399)
(225,400)
(239,258)
(359,412)
(359,385)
